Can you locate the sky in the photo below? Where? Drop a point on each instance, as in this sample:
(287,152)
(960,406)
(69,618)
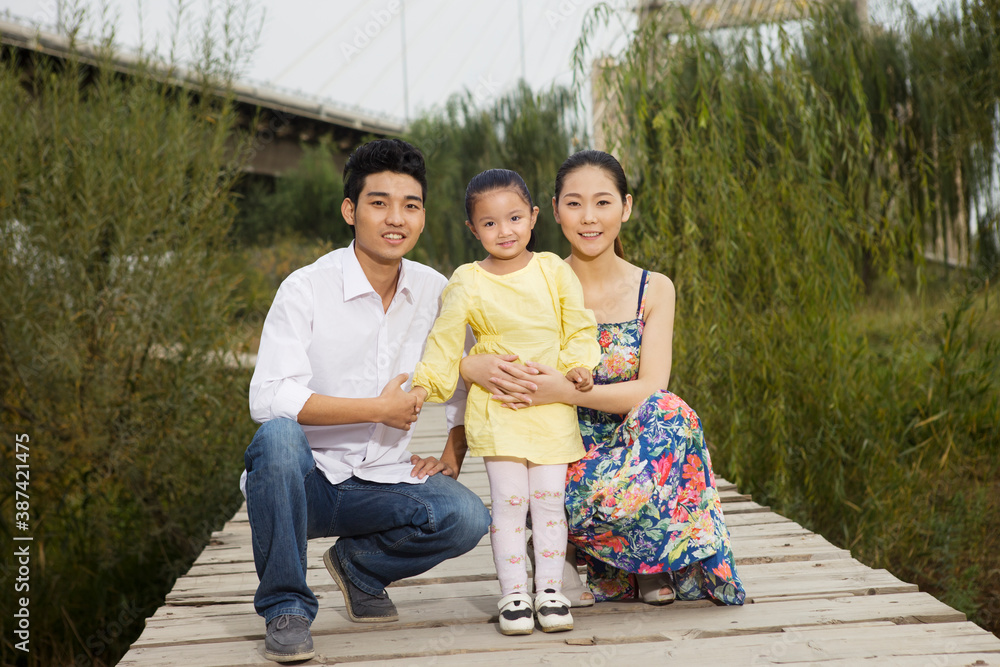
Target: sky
(350,53)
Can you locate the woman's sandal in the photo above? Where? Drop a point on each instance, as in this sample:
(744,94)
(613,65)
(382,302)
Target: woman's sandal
(552,611)
(574,589)
(516,616)
(652,585)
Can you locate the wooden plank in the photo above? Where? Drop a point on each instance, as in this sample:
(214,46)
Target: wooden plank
(235,554)
(754,518)
(786,580)
(816,579)
(809,603)
(923,660)
(217,551)
(238,535)
(478,563)
(763,546)
(482,490)
(475,614)
(966,642)
(433,606)
(796,578)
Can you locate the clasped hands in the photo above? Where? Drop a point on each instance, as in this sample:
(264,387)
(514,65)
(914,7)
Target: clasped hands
(519,385)
(513,384)
(400,409)
(581,377)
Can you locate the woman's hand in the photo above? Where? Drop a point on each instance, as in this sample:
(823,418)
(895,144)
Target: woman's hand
(506,380)
(551,386)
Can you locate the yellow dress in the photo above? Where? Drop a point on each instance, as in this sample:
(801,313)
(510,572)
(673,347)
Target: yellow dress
(536,313)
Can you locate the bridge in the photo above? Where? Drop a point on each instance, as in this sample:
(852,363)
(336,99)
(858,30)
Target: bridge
(808,602)
(285,120)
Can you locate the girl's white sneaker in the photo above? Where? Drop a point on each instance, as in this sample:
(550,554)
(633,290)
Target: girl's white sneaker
(553,613)
(516,616)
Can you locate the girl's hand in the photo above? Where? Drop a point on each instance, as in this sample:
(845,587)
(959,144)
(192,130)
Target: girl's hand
(581,377)
(421,395)
(509,382)
(552,386)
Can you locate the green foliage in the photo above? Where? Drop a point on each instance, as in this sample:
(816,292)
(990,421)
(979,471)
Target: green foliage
(952,59)
(262,269)
(529,133)
(775,176)
(115,301)
(304,202)
(924,414)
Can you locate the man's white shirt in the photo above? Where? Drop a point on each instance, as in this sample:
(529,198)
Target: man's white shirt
(327,333)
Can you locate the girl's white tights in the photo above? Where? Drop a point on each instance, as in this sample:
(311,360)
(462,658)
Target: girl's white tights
(515,486)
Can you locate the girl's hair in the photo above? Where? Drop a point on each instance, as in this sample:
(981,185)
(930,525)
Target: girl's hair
(606,163)
(492,180)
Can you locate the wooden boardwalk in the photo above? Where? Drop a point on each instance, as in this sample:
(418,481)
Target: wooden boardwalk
(808,602)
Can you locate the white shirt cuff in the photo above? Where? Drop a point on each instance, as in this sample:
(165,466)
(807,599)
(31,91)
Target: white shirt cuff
(289,400)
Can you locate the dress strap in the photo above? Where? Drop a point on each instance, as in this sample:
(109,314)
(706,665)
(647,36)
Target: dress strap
(642,294)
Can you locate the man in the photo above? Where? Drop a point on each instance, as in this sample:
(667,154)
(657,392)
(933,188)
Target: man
(330,456)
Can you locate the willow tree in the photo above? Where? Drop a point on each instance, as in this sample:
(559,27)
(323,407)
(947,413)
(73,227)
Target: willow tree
(930,94)
(953,57)
(115,203)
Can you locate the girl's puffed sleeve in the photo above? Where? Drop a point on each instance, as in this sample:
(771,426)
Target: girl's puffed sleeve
(438,369)
(579,328)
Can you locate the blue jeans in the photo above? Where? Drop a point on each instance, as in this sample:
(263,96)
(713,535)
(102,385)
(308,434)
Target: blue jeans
(387,531)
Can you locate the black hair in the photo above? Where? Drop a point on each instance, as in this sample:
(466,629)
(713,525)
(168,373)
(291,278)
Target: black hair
(492,180)
(606,163)
(393,155)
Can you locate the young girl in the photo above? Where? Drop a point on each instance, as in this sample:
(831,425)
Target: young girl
(528,304)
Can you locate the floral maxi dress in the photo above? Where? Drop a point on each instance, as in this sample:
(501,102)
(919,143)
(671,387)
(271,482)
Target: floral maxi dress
(643,498)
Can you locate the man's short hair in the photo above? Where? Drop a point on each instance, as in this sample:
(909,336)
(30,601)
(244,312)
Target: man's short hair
(393,155)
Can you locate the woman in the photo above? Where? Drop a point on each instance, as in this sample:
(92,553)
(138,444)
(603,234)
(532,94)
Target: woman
(643,500)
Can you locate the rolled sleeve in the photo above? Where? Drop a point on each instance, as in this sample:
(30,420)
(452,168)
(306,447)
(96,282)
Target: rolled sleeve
(279,387)
(288,400)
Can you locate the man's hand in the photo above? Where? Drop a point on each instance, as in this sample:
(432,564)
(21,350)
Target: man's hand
(399,408)
(430,466)
(581,377)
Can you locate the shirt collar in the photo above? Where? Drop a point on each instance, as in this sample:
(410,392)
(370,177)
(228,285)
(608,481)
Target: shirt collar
(356,282)
(404,284)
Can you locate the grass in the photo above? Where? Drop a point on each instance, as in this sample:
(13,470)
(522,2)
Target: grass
(905,465)
(939,524)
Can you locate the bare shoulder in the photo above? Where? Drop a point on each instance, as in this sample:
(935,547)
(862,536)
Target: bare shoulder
(662,294)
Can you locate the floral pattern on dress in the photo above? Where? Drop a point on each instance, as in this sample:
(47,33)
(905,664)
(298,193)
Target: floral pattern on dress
(643,499)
